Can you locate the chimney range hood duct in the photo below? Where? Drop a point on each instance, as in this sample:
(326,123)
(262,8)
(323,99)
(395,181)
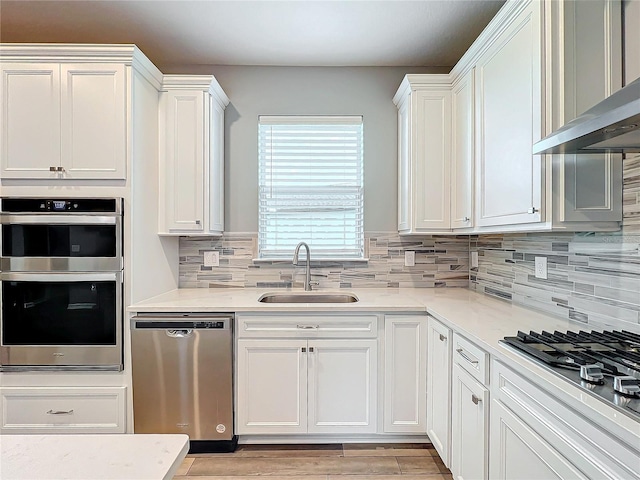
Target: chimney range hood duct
(611,126)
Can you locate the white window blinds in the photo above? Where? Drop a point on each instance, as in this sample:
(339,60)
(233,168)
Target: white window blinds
(311,189)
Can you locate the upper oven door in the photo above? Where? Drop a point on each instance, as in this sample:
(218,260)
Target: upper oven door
(52,242)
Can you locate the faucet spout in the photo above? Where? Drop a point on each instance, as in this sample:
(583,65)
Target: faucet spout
(307,280)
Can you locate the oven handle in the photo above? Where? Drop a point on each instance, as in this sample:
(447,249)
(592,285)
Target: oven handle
(10,219)
(60,277)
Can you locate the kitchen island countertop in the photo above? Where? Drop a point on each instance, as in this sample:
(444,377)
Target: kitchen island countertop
(91,457)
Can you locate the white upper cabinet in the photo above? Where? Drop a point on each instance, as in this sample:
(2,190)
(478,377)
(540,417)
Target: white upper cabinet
(191,155)
(535,67)
(424,151)
(544,63)
(587,188)
(462,151)
(509,120)
(30,120)
(64,120)
(93,120)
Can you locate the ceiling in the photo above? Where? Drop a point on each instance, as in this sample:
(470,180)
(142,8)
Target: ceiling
(260,32)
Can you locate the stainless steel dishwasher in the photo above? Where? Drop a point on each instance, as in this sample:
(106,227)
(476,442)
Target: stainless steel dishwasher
(183,377)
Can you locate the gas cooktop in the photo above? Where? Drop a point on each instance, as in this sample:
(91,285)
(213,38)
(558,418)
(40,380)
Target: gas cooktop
(607,363)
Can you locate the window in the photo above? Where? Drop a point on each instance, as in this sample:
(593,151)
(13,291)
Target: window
(310,177)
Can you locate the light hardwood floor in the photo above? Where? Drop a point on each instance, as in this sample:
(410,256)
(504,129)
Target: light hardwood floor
(318,462)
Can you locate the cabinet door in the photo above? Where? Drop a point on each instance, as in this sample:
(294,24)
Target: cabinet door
(342,386)
(404,165)
(430,158)
(509,119)
(439,353)
(93,121)
(184,161)
(469,433)
(216,168)
(588,186)
(271,386)
(462,152)
(518,453)
(30,120)
(405,352)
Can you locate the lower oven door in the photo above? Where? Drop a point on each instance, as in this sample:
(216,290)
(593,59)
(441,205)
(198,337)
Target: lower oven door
(61,321)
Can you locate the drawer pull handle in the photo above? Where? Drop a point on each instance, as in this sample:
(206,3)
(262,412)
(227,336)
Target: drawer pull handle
(60,412)
(186,333)
(475,399)
(466,357)
(443,338)
(308,327)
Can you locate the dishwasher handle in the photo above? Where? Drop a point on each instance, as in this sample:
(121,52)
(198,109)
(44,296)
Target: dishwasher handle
(185,333)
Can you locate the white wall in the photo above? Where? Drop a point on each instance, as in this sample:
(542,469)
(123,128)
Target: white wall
(255,91)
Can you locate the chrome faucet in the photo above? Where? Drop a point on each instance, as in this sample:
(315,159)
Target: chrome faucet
(307,279)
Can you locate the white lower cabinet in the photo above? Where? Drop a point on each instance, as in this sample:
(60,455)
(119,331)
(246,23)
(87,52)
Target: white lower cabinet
(272,386)
(405,360)
(517,452)
(49,410)
(439,388)
(470,427)
(541,434)
(469,411)
(298,386)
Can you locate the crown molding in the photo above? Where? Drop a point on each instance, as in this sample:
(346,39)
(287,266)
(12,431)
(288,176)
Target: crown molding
(127,54)
(206,83)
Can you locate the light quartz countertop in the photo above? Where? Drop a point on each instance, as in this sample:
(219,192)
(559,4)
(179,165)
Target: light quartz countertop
(91,457)
(482,319)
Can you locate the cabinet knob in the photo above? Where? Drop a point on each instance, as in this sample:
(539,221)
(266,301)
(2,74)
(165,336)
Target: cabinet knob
(197,222)
(533,210)
(53,169)
(442,338)
(475,399)
(311,349)
(465,219)
(304,349)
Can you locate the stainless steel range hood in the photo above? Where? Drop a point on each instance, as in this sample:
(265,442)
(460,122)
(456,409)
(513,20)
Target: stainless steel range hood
(613,125)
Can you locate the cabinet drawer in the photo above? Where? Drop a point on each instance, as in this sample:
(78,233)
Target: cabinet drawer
(63,410)
(307,326)
(471,358)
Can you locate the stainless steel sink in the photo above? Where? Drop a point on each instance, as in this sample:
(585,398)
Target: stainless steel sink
(317,297)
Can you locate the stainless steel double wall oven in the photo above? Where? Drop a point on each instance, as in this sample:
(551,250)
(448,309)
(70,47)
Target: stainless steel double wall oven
(61,284)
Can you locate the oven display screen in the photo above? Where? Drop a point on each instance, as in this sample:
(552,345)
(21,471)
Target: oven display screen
(58,204)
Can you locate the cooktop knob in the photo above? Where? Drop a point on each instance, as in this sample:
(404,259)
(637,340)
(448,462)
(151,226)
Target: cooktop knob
(591,373)
(626,385)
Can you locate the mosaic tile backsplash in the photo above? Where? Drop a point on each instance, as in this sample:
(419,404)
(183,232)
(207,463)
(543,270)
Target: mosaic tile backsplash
(440,262)
(592,277)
